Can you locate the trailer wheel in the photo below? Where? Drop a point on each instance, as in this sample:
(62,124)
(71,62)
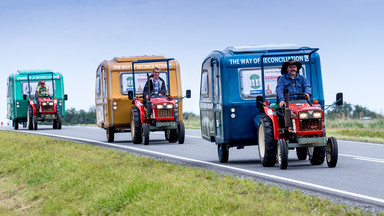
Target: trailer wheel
(223,152)
(58,121)
(110,133)
(181,130)
(332,152)
(301,153)
(34,122)
(30,118)
(316,155)
(173,136)
(282,153)
(16,124)
(137,137)
(145,129)
(267,144)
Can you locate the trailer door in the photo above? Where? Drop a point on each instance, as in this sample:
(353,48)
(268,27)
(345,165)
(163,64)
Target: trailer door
(217,102)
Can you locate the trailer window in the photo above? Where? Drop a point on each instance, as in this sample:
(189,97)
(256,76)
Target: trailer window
(33,86)
(126,81)
(251,85)
(98,82)
(204,84)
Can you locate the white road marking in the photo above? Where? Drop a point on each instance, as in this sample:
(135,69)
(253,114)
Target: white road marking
(334,190)
(362,143)
(378,160)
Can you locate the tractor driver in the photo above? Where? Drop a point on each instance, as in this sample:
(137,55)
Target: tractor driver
(291,80)
(42,90)
(156,84)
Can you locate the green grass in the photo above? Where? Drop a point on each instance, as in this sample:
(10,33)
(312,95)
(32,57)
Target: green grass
(45,176)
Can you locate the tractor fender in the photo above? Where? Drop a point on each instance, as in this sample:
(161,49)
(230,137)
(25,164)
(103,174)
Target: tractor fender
(273,116)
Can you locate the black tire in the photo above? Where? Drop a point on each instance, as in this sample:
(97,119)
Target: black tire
(282,154)
(145,129)
(30,118)
(332,152)
(181,132)
(267,144)
(223,152)
(58,121)
(301,153)
(34,122)
(173,136)
(316,155)
(137,137)
(110,133)
(166,134)
(54,125)
(16,124)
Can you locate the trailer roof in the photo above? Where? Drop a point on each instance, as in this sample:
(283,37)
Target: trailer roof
(34,71)
(262,48)
(134,58)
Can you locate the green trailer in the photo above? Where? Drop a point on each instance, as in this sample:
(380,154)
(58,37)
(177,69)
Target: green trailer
(23,85)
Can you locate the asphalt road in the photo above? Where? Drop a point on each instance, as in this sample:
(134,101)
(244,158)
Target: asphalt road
(358,177)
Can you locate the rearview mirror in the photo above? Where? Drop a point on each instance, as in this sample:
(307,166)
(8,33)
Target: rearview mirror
(259,102)
(339,99)
(188,93)
(25,97)
(130,95)
(65,97)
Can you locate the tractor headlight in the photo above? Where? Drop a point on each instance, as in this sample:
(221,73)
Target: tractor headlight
(303,115)
(317,114)
(51,103)
(159,106)
(169,106)
(44,103)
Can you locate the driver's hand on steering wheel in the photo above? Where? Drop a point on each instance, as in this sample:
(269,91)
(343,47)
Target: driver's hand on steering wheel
(146,97)
(282,104)
(306,96)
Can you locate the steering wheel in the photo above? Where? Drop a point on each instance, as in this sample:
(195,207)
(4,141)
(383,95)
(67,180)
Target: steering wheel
(302,96)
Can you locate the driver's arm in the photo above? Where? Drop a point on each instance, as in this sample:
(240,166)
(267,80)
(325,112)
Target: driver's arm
(280,90)
(145,90)
(307,88)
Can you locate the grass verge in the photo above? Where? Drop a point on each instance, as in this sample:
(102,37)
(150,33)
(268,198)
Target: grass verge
(45,176)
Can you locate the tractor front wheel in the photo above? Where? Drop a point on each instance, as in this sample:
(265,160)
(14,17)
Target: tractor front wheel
(223,152)
(267,143)
(332,152)
(137,137)
(282,153)
(173,136)
(301,153)
(145,129)
(110,133)
(181,131)
(58,121)
(316,155)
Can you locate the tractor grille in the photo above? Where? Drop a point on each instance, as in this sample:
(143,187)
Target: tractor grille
(47,108)
(164,113)
(310,125)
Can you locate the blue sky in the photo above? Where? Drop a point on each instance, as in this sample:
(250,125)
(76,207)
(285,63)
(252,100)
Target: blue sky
(74,36)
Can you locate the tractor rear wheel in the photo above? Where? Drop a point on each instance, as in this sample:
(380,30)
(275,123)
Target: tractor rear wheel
(30,118)
(332,152)
(223,152)
(181,132)
(267,144)
(110,133)
(137,137)
(301,153)
(16,124)
(316,155)
(145,129)
(282,153)
(34,122)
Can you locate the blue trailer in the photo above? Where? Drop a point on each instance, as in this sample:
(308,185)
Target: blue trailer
(231,80)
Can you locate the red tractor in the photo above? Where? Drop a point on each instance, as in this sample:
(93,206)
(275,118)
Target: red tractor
(299,125)
(43,108)
(157,113)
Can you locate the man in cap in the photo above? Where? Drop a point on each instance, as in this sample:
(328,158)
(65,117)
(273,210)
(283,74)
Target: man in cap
(293,81)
